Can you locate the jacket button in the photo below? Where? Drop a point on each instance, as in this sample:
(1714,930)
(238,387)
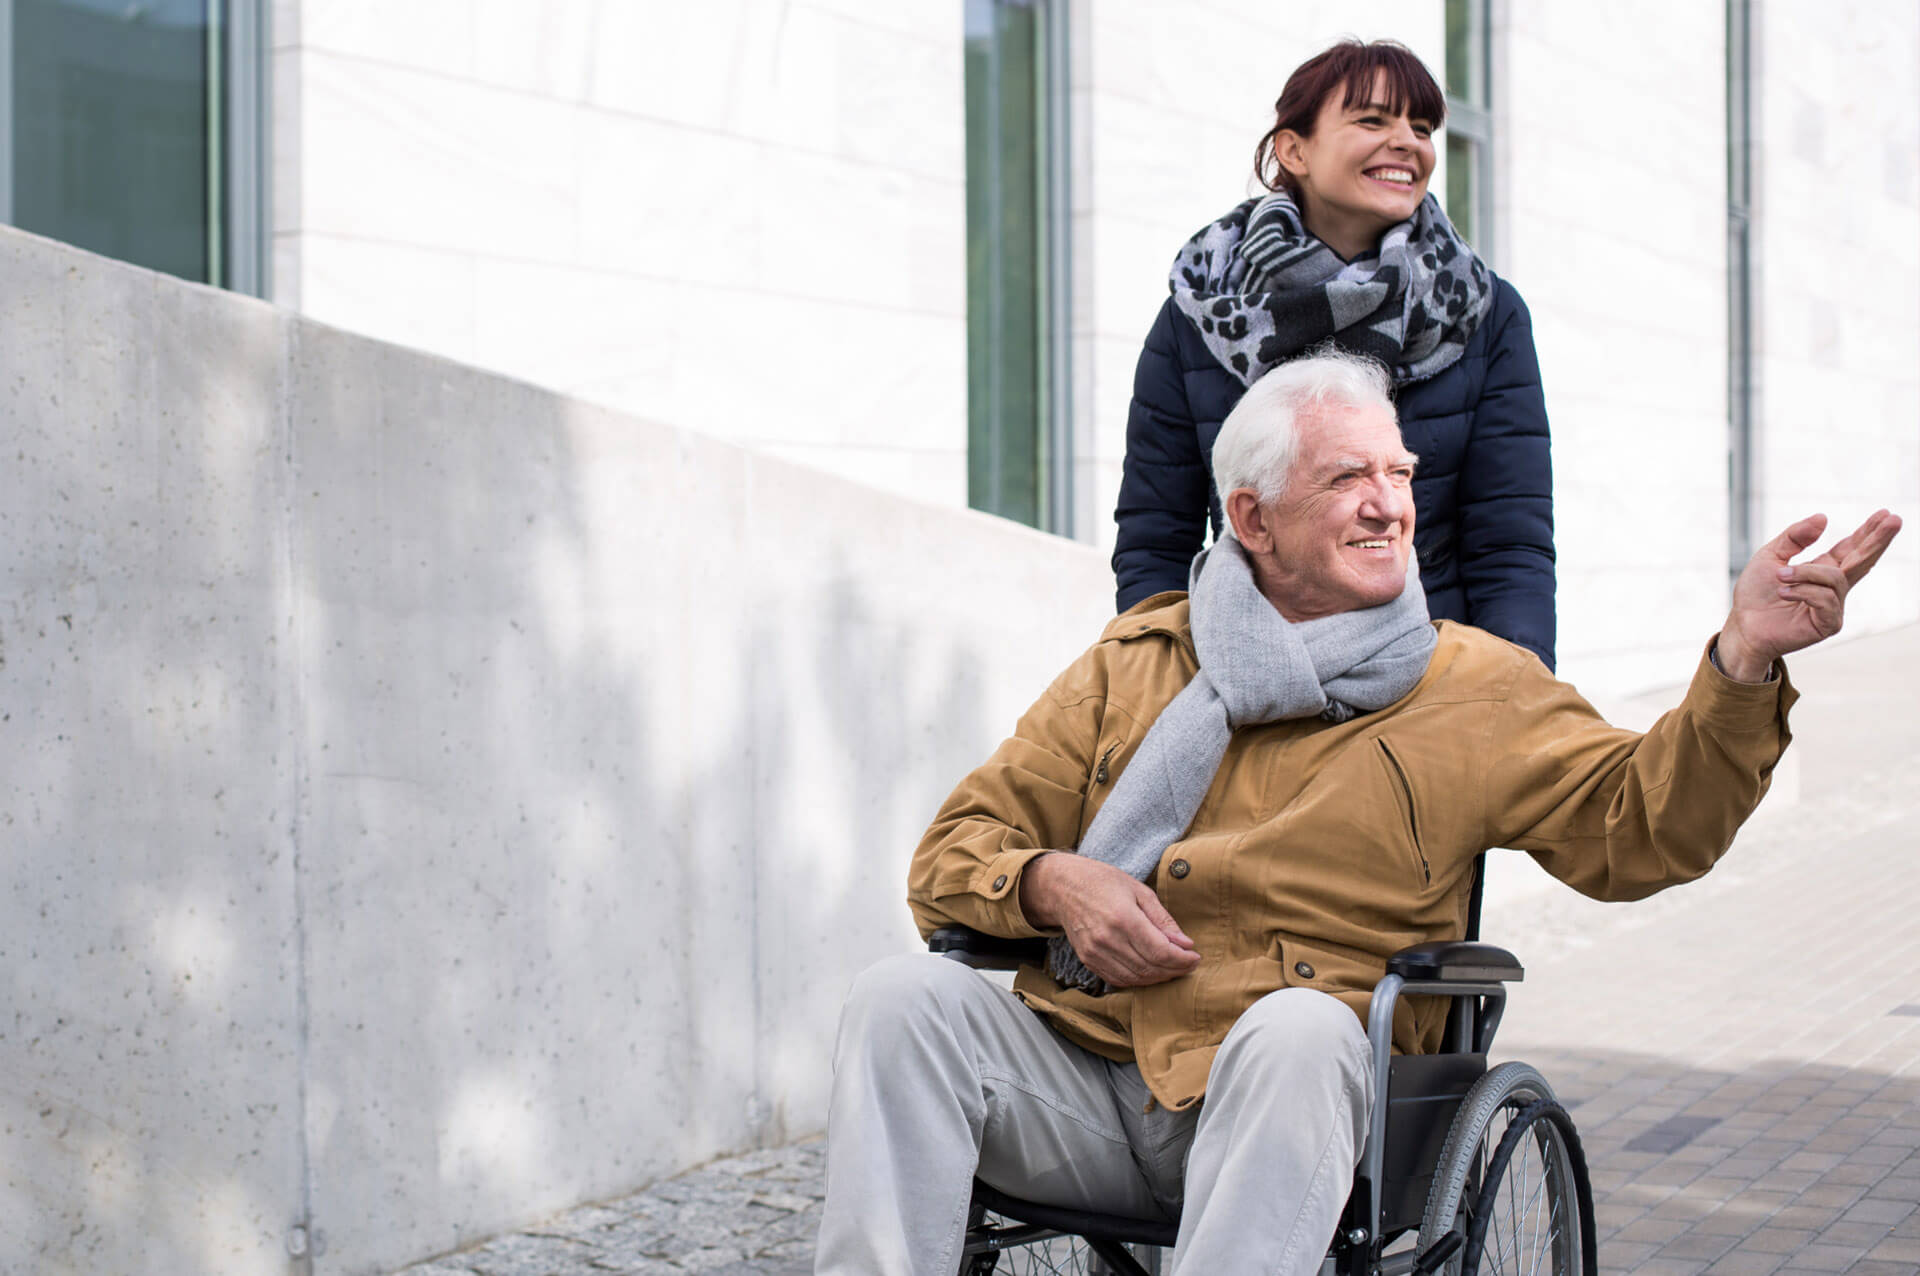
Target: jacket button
(1303,970)
(1179,868)
(999,881)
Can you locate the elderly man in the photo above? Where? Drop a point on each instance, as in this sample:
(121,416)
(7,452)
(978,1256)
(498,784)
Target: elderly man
(1272,784)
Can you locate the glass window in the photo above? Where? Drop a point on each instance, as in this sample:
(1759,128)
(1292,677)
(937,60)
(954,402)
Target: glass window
(1017,463)
(118,132)
(1469,193)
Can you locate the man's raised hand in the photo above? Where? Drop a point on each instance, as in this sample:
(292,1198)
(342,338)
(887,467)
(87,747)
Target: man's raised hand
(1119,928)
(1781,606)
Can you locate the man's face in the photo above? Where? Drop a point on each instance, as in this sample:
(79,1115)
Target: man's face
(1344,526)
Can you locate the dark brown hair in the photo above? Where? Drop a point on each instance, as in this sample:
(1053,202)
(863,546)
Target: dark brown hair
(1353,65)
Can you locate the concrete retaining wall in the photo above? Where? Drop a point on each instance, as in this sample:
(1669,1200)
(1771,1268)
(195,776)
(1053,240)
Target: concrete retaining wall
(430,801)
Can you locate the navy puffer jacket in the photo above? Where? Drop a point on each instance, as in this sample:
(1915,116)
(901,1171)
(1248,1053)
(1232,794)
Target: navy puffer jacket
(1483,493)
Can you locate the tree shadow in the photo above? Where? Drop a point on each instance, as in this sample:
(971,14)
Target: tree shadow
(433,802)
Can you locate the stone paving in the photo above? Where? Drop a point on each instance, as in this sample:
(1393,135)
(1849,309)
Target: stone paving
(749,1214)
(1742,1055)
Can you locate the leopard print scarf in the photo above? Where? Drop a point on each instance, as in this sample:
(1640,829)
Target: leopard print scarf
(1261,289)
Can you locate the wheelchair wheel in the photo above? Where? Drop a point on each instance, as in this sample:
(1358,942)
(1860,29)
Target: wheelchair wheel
(997,1246)
(1510,1191)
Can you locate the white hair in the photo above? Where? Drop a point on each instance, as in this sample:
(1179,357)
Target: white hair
(1259,439)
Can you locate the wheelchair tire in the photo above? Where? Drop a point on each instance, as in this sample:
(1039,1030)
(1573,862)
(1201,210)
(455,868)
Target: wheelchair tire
(1536,1215)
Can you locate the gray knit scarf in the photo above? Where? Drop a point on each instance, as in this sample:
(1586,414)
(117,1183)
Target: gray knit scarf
(1255,666)
(1261,289)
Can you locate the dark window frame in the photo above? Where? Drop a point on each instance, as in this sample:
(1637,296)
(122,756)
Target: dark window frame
(238,238)
(1019,335)
(1470,122)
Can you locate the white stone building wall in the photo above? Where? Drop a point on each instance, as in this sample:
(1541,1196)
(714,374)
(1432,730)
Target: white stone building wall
(1611,203)
(748,219)
(1838,302)
(744,217)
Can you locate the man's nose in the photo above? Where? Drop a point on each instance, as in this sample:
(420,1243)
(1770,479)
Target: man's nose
(1386,499)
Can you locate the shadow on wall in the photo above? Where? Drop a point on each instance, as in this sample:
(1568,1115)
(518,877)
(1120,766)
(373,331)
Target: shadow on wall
(617,742)
(433,802)
(150,1102)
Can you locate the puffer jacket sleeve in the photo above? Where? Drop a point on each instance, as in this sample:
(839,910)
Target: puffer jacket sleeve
(1162,510)
(1506,490)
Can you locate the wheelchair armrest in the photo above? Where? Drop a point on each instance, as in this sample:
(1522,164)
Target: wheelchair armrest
(1456,961)
(986,952)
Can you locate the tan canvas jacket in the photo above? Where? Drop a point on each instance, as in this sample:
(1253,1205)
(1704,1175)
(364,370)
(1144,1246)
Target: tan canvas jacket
(1323,849)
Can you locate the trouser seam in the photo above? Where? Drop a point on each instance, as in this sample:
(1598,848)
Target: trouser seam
(957,1234)
(1111,1136)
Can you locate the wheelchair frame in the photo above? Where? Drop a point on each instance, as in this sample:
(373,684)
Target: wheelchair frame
(1392,1183)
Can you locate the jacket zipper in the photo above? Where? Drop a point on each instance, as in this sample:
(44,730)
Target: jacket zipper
(1099,778)
(1406,793)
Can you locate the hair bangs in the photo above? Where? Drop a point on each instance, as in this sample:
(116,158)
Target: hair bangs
(1403,81)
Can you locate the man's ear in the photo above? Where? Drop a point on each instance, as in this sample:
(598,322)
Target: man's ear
(1252,522)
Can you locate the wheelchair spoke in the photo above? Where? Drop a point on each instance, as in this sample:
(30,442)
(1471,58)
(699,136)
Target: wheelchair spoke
(1525,1212)
(1547,1233)
(1527,1233)
(1532,1218)
(1030,1251)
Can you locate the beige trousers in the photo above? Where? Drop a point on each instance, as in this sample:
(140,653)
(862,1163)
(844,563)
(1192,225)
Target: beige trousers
(940,1075)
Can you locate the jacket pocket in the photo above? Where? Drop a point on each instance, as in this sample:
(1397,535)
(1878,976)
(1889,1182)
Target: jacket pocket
(1409,811)
(1323,967)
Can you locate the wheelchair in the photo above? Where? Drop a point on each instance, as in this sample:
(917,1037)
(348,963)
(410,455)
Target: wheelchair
(1467,1169)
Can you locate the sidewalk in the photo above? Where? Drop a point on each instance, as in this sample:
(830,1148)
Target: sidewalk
(1742,1055)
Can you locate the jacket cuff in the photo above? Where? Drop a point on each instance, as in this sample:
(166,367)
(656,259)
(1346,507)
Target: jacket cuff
(998,883)
(1733,705)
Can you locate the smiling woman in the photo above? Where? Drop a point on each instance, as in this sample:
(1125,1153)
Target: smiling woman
(1350,250)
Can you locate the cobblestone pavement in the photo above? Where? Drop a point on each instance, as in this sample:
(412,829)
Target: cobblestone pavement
(1742,1055)
(749,1214)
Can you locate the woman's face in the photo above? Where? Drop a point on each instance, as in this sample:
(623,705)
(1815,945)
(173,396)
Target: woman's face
(1363,170)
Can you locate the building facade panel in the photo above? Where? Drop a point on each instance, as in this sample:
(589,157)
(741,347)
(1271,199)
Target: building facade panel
(1615,231)
(1838,325)
(785,180)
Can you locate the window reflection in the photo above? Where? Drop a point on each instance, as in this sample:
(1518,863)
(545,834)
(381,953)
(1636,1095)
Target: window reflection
(115,128)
